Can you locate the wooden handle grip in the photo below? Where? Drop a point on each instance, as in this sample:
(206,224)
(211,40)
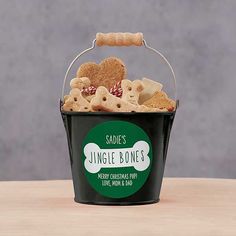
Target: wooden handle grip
(119,39)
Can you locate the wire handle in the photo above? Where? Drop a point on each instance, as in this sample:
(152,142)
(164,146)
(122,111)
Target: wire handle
(119,39)
(144,43)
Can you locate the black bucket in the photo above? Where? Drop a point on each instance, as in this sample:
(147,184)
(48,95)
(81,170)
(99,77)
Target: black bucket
(108,189)
(118,158)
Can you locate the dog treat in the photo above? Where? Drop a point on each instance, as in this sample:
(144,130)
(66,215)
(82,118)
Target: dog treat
(105,101)
(70,105)
(109,72)
(103,87)
(80,83)
(89,97)
(76,102)
(131,90)
(160,100)
(150,87)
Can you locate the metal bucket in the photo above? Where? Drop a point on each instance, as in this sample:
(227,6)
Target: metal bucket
(117,158)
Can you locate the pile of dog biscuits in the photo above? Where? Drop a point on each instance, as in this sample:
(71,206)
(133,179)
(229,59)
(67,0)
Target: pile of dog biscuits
(104,87)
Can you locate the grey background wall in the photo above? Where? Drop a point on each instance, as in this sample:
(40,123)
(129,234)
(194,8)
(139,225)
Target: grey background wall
(39,38)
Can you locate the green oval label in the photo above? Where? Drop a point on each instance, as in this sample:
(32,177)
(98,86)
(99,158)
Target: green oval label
(117,157)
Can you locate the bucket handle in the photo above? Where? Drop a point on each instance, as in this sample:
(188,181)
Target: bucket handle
(120,39)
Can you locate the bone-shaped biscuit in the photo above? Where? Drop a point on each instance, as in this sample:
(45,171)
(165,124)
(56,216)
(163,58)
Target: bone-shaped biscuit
(76,102)
(150,87)
(131,90)
(70,105)
(93,163)
(89,97)
(105,101)
(80,83)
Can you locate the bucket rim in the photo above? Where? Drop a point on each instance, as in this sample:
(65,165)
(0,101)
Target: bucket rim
(105,113)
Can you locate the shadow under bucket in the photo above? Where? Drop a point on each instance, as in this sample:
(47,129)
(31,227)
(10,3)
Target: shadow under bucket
(117,158)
